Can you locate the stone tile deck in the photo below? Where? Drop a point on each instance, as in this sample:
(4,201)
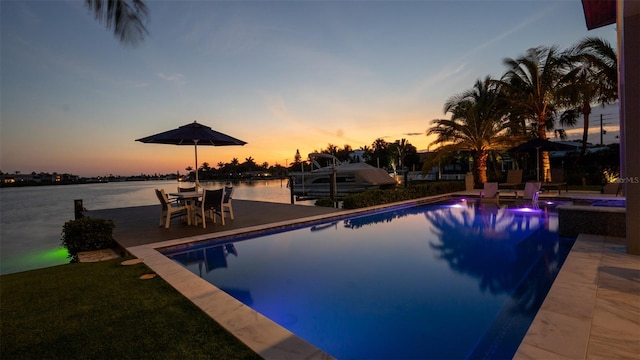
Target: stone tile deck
(591,312)
(593,308)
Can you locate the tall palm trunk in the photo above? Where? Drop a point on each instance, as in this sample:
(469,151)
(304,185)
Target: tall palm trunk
(586,111)
(480,162)
(545,162)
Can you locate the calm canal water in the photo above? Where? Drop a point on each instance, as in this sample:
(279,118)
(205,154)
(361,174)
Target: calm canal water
(31,218)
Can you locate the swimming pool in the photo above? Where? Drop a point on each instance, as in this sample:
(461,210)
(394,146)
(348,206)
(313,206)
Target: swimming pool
(451,280)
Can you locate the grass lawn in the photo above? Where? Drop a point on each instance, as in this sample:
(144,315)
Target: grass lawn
(103,310)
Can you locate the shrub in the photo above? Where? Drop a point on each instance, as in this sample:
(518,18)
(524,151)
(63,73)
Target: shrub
(87,234)
(378,197)
(324,202)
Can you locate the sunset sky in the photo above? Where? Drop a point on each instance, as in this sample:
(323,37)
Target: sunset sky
(280,75)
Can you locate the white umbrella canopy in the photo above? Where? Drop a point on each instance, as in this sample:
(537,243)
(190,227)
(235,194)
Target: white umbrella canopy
(192,134)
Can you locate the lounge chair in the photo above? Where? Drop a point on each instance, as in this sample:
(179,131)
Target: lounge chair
(490,192)
(226,201)
(556,182)
(171,209)
(612,189)
(514,181)
(531,192)
(211,205)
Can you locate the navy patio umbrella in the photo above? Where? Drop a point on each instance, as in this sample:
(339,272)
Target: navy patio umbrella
(538,145)
(192,134)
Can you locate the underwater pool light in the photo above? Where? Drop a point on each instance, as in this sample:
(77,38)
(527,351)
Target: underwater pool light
(526,210)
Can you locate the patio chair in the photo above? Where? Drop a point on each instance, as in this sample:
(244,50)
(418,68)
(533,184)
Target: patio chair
(226,201)
(186,189)
(514,181)
(490,192)
(556,182)
(532,192)
(211,205)
(171,209)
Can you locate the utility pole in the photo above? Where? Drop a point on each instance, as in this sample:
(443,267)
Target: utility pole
(601,130)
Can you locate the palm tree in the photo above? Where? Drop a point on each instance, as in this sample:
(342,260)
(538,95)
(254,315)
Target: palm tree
(478,125)
(531,83)
(379,153)
(125,17)
(592,77)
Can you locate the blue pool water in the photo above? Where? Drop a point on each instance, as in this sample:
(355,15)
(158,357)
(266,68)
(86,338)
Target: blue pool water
(446,281)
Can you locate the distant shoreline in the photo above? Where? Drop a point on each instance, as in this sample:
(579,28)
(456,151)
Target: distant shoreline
(82,181)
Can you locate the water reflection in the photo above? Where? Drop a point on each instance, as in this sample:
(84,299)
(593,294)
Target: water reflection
(498,245)
(514,243)
(208,258)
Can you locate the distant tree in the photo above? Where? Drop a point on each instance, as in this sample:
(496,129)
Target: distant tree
(344,153)
(125,17)
(297,159)
(250,163)
(366,156)
(331,149)
(379,153)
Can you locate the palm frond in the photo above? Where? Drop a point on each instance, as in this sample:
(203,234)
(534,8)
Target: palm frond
(125,17)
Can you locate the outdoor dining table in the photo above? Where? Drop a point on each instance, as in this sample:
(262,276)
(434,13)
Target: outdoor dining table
(190,199)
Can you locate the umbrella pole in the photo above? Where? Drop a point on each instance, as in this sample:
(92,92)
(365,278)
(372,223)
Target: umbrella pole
(196,150)
(537,164)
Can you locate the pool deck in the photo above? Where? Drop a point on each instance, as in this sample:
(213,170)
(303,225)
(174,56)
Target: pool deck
(592,310)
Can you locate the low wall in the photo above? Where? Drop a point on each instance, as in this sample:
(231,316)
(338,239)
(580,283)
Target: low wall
(597,220)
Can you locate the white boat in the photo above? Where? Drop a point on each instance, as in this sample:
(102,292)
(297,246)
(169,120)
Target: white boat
(350,178)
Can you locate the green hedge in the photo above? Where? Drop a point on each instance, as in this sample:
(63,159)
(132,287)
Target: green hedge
(378,197)
(324,202)
(87,234)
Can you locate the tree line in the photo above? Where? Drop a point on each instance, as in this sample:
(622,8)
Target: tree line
(397,155)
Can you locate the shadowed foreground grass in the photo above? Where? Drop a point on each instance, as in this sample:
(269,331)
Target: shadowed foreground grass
(103,310)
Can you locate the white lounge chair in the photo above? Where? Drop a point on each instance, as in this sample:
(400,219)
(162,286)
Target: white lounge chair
(490,192)
(514,180)
(532,191)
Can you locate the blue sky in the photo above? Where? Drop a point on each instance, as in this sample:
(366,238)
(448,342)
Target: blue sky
(280,75)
